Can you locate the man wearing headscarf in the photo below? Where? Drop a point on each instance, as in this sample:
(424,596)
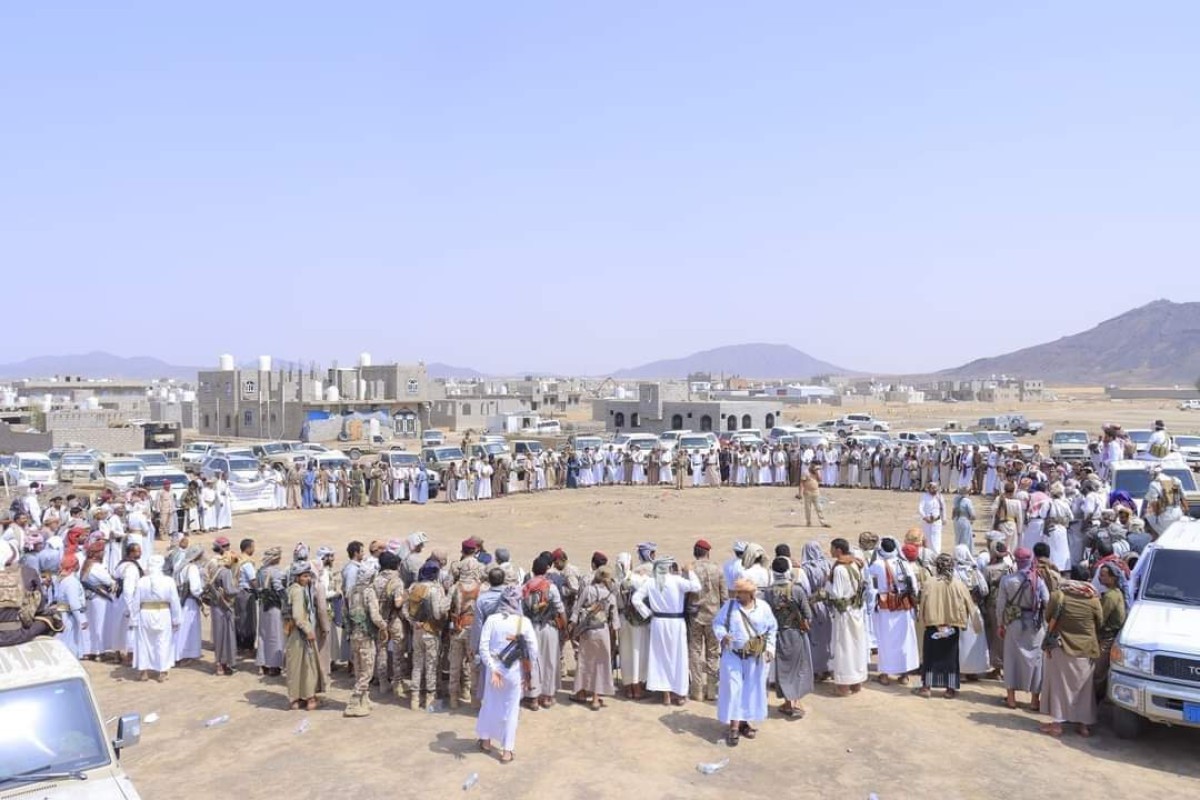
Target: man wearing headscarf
(1019,616)
(389,588)
(1074,615)
(634,636)
(425,610)
(1009,518)
(544,606)
(932,510)
(414,558)
(998,565)
(813,576)
(70,598)
(224,633)
(789,603)
(1058,516)
(467,575)
(366,626)
(246,609)
(272,594)
(594,624)
(846,599)
(732,568)
(754,566)
(945,610)
(746,629)
(155,615)
(304,677)
(663,601)
(704,653)
(897,590)
(513,575)
(973,656)
(810,494)
(504,672)
(189,581)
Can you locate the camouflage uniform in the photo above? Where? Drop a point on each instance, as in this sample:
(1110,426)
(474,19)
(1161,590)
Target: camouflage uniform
(462,614)
(365,624)
(704,653)
(389,588)
(569,588)
(426,634)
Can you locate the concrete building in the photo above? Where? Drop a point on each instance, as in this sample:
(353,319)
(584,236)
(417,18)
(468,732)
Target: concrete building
(130,397)
(464,412)
(265,404)
(653,413)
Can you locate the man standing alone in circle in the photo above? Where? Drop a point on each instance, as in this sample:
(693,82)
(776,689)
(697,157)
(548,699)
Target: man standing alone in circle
(810,493)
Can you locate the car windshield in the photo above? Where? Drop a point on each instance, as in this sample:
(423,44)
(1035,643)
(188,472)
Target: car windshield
(402,459)
(335,463)
(533,447)
(1073,437)
(275,448)
(449,454)
(49,727)
(694,441)
(1174,576)
(1003,438)
(122,468)
(1136,481)
(153,459)
(156,480)
(80,460)
(1187,441)
(196,448)
(243,465)
(494,448)
(1140,437)
(584,442)
(35,463)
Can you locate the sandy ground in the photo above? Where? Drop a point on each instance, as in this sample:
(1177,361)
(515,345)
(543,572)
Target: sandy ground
(883,740)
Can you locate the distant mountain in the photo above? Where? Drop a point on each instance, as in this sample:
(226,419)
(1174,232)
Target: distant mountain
(96,365)
(744,360)
(1158,343)
(446,371)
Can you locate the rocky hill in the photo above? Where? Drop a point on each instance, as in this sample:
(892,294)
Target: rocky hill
(744,360)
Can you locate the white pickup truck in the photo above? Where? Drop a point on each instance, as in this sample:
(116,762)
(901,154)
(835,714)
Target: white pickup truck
(53,741)
(1155,672)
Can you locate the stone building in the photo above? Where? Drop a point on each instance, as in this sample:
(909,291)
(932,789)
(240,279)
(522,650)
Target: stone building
(651,413)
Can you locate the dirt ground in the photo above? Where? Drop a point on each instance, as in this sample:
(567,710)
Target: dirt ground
(884,740)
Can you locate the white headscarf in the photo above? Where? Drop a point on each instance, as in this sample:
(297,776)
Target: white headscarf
(662,568)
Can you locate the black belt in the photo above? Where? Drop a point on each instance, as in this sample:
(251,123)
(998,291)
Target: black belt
(742,654)
(657,615)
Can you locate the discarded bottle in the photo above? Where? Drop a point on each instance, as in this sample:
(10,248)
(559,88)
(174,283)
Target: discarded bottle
(714,767)
(215,721)
(470,782)
(302,727)
(151,717)
(436,706)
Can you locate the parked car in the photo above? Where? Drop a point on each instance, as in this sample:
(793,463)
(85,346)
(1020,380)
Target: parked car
(152,459)
(779,431)
(1141,438)
(1189,405)
(1155,675)
(956,439)
(78,467)
(432,437)
(402,458)
(282,454)
(154,481)
(194,453)
(670,439)
(1188,446)
(627,441)
(695,443)
(581,443)
(1069,445)
(527,447)
(440,457)
(333,459)
(1134,476)
(499,450)
(546,427)
(239,468)
(30,467)
(120,473)
(57,745)
(1019,426)
(914,438)
(849,423)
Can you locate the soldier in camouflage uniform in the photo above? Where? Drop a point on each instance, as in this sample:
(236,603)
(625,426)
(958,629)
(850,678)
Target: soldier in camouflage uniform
(425,609)
(570,582)
(389,588)
(468,583)
(704,653)
(366,626)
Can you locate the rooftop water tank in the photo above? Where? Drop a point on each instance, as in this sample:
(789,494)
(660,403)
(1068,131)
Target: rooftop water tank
(189,396)
(332,395)
(92,403)
(364,359)
(225,363)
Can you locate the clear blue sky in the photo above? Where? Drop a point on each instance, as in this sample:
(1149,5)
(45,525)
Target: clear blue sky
(584,186)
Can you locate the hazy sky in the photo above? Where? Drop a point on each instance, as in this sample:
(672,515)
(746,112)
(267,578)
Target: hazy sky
(580,187)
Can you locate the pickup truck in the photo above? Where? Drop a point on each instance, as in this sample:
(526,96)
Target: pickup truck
(1019,426)
(1155,675)
(54,733)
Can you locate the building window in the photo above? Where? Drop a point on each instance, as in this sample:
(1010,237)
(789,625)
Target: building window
(731,423)
(228,422)
(705,423)
(770,420)
(634,420)
(272,417)
(466,409)
(676,422)
(619,419)
(414,386)
(247,418)
(205,425)
(746,421)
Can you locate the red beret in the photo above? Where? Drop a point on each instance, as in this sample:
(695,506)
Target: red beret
(702,544)
(910,552)
(559,554)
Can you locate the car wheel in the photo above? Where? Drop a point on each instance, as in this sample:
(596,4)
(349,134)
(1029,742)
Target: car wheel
(355,454)
(1127,724)
(433,493)
(879,429)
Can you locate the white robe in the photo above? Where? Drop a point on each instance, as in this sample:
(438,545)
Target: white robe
(118,620)
(154,629)
(224,506)
(187,638)
(634,642)
(501,706)
(742,694)
(895,631)
(931,505)
(208,509)
(668,671)
(849,641)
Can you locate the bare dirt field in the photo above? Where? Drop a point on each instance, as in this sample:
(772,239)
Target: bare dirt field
(883,740)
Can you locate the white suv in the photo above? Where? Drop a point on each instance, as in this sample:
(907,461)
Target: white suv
(1156,659)
(849,423)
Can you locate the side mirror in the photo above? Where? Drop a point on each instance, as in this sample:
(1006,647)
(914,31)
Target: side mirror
(129,732)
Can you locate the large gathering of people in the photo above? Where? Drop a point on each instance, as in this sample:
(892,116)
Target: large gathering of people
(1036,608)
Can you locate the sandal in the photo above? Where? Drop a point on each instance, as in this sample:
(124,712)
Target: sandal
(506,757)
(731,738)
(745,730)
(596,704)
(922,692)
(1009,704)
(1051,729)
(484,745)
(885,680)
(311,705)
(577,699)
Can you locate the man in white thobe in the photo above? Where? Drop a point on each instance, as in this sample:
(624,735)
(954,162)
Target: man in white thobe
(894,618)
(933,512)
(845,602)
(662,599)
(154,616)
(732,568)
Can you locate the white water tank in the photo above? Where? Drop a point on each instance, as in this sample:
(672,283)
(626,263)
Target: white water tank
(172,397)
(47,403)
(163,393)
(373,428)
(225,363)
(264,363)
(318,388)
(92,403)
(361,387)
(364,359)
(332,395)
(189,396)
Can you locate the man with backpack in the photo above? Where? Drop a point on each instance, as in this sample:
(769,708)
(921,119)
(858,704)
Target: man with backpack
(425,610)
(366,626)
(389,589)
(468,574)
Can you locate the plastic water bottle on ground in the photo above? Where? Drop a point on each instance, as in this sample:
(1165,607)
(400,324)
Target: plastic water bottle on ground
(436,706)
(150,718)
(470,782)
(302,727)
(215,721)
(713,768)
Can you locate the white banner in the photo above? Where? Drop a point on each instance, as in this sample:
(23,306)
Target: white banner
(252,496)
